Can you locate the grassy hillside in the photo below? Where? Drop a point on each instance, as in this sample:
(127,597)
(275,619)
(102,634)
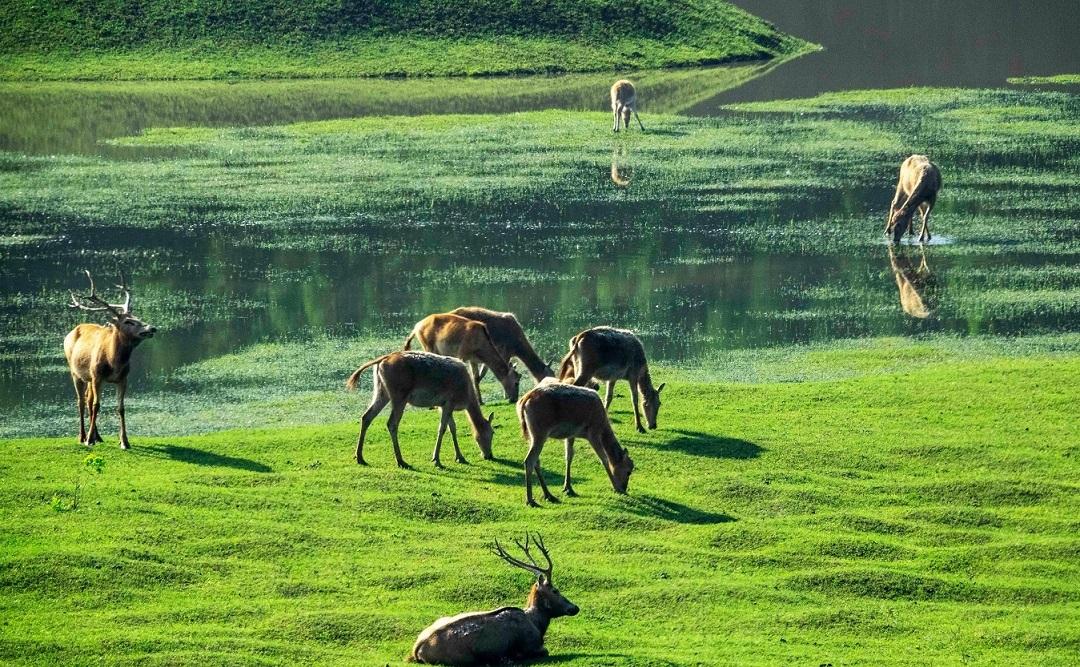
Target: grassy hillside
(926,516)
(162,39)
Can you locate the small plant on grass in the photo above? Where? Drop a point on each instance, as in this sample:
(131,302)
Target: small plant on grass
(62,502)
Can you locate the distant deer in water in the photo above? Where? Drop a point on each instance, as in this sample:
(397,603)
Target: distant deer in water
(501,636)
(510,342)
(920,181)
(97,354)
(426,381)
(556,410)
(468,340)
(623,103)
(612,354)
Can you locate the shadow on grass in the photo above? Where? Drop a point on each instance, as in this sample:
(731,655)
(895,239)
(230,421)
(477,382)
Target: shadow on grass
(571,657)
(695,443)
(658,508)
(202,458)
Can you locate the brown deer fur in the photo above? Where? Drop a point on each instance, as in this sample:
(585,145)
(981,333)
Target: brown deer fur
(468,340)
(510,341)
(623,103)
(920,181)
(426,381)
(97,354)
(555,410)
(502,636)
(912,283)
(611,355)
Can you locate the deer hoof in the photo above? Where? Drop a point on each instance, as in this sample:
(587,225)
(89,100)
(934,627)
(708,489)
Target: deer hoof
(461,460)
(550,498)
(360,461)
(125,445)
(404,466)
(569,492)
(437,463)
(531,503)
(641,430)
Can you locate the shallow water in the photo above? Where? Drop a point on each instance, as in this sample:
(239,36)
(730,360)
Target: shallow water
(688,281)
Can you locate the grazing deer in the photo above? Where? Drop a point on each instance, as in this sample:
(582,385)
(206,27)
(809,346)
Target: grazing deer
(468,340)
(97,354)
(426,381)
(913,284)
(556,410)
(500,636)
(623,103)
(611,355)
(920,181)
(510,341)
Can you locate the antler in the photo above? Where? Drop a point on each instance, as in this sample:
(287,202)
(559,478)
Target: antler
(125,289)
(531,566)
(99,304)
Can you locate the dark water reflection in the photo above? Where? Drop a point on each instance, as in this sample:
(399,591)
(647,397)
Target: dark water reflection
(881,44)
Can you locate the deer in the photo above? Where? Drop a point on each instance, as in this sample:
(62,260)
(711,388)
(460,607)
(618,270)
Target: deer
(507,635)
(912,284)
(510,342)
(920,181)
(610,354)
(97,354)
(556,410)
(623,103)
(424,380)
(468,340)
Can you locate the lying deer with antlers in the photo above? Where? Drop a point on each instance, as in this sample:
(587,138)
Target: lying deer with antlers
(920,181)
(623,103)
(555,410)
(426,381)
(98,354)
(506,635)
(611,355)
(510,341)
(468,340)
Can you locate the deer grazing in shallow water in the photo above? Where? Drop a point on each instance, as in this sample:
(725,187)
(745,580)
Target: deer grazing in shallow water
(426,381)
(500,636)
(97,354)
(623,103)
(556,410)
(509,339)
(920,181)
(611,355)
(468,340)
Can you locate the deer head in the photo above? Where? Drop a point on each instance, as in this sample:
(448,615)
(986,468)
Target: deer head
(651,403)
(485,433)
(120,315)
(543,595)
(512,383)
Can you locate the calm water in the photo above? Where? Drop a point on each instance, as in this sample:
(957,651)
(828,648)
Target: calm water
(687,288)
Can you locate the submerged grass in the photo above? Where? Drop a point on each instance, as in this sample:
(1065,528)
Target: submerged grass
(926,514)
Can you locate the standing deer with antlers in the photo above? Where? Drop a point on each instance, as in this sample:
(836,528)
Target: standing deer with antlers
(509,634)
(97,354)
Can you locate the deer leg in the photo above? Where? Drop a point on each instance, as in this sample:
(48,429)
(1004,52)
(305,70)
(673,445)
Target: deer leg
(80,392)
(637,411)
(93,402)
(477,375)
(609,395)
(543,485)
(532,462)
(927,206)
(396,410)
(438,440)
(378,402)
(121,390)
(892,208)
(638,119)
(458,456)
(567,489)
(615,127)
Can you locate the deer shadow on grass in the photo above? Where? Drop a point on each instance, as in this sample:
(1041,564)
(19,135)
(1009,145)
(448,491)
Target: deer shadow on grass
(201,458)
(708,445)
(657,508)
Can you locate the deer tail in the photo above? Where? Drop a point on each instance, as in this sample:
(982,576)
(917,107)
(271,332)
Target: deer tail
(409,340)
(566,367)
(916,192)
(355,377)
(521,416)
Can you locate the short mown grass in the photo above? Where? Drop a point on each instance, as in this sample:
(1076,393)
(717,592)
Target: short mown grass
(921,516)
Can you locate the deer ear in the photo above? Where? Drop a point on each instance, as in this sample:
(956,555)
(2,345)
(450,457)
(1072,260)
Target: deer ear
(661,387)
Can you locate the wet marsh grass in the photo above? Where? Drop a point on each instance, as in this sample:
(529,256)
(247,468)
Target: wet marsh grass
(833,520)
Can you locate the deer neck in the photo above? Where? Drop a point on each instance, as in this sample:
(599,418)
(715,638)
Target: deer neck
(538,616)
(475,414)
(524,351)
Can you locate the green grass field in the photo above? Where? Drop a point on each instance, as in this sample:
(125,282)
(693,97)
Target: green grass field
(923,516)
(204,39)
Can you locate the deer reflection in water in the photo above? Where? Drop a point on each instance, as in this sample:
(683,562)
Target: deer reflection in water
(916,285)
(621,170)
